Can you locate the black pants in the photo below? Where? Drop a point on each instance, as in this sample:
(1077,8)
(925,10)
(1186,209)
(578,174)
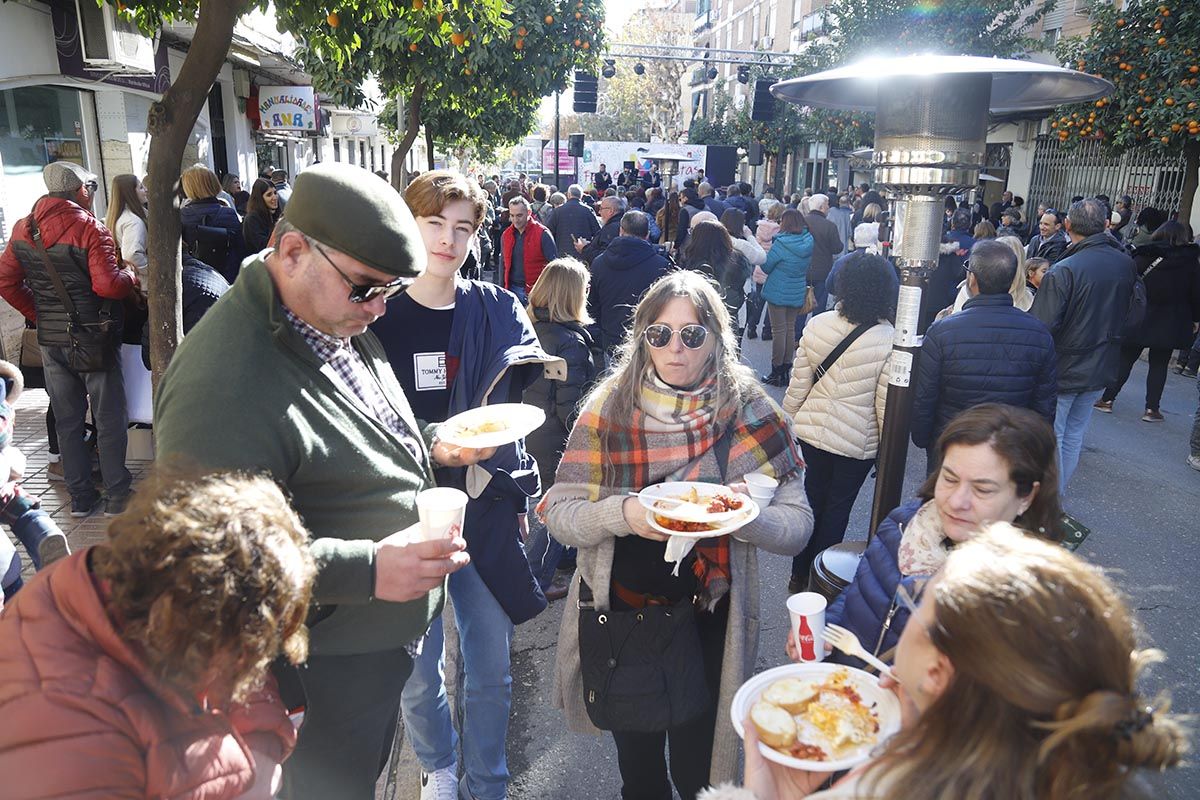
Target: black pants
(351,707)
(1156,378)
(640,755)
(832,483)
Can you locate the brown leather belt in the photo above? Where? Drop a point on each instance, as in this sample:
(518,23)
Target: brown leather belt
(637,599)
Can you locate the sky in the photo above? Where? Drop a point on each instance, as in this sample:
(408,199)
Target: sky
(616,12)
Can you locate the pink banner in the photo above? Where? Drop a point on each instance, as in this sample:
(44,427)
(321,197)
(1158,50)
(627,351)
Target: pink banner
(565,162)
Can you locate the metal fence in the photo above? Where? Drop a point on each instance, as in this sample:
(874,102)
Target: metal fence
(1060,173)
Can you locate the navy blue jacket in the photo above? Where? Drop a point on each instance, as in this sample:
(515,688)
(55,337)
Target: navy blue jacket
(989,352)
(571,219)
(499,357)
(212,212)
(620,276)
(869,601)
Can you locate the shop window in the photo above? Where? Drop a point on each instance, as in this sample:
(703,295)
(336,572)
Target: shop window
(38,125)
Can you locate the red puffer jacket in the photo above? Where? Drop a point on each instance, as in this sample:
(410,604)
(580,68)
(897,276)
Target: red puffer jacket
(83,718)
(64,225)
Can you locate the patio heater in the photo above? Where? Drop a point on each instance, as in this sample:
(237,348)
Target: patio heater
(668,167)
(931,123)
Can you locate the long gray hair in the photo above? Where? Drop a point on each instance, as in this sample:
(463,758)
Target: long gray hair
(736,383)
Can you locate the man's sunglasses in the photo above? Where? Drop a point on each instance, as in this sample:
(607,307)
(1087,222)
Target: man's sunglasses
(363,294)
(693,336)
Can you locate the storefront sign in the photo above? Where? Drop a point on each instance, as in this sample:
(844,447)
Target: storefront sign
(354,125)
(287,108)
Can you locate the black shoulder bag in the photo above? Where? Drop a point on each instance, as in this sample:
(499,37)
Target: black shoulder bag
(842,347)
(643,670)
(94,345)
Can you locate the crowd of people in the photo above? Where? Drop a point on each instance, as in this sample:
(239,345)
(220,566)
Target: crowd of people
(266,608)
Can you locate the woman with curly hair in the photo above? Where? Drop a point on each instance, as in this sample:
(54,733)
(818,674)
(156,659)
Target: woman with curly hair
(838,410)
(1019,677)
(678,405)
(138,667)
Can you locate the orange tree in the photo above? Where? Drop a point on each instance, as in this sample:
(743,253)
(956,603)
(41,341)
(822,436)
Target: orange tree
(473,72)
(1151,53)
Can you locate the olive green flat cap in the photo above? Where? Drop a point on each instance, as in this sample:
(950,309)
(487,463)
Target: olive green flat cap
(357,213)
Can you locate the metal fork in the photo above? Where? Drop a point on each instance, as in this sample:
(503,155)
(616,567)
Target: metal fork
(848,643)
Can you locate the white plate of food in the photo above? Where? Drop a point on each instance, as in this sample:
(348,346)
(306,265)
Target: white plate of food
(692,501)
(703,530)
(816,717)
(491,426)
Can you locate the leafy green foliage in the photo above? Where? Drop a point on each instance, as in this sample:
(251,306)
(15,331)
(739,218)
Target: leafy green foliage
(1151,53)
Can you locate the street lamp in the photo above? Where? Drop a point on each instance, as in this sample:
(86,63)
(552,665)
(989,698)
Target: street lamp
(668,167)
(931,120)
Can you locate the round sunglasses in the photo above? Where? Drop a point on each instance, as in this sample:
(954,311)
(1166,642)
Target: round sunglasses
(659,335)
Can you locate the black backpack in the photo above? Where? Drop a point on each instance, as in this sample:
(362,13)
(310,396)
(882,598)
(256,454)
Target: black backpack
(208,243)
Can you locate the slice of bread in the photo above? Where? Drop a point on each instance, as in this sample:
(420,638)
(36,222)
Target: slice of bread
(776,727)
(791,694)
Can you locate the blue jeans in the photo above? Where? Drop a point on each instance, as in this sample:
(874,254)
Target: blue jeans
(484,694)
(1070,423)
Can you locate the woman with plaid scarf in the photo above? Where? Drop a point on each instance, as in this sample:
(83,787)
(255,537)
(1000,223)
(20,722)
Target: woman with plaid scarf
(677,406)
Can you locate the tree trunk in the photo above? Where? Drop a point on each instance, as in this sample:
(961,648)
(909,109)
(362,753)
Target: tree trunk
(429,148)
(413,114)
(170,125)
(1191,180)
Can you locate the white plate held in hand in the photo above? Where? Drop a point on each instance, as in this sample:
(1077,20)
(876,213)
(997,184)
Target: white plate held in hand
(491,426)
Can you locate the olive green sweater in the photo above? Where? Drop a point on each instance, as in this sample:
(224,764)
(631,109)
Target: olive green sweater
(245,391)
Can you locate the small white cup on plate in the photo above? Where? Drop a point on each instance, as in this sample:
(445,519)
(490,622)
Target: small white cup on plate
(761,487)
(442,512)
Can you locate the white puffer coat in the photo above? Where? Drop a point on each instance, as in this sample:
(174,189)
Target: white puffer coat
(843,414)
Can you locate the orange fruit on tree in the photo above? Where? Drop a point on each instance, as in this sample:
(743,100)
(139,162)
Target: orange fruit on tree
(1165,139)
(587,45)
(440,16)
(1170,101)
(1120,23)
(578,15)
(519,44)
(1176,128)
(1162,40)
(412,48)
(333,19)
(418,5)
(521,31)
(549,20)
(578,42)
(1194,69)
(458,39)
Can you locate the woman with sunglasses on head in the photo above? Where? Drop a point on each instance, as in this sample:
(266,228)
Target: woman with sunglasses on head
(457,344)
(677,405)
(995,463)
(1018,673)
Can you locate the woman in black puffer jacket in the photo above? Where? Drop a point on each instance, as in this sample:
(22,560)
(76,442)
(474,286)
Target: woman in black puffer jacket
(558,306)
(1170,266)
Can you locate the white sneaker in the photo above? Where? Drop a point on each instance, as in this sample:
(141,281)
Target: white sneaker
(441,784)
(1194,462)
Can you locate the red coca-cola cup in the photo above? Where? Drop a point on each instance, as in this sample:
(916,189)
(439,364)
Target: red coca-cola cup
(807,610)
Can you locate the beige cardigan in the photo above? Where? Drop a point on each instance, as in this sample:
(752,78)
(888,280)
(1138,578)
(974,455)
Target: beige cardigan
(784,528)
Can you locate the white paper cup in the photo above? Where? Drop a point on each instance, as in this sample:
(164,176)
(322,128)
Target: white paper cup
(760,484)
(442,512)
(807,610)
(763,499)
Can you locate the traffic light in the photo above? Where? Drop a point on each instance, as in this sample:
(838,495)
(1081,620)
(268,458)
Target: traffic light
(575,145)
(763,108)
(586,89)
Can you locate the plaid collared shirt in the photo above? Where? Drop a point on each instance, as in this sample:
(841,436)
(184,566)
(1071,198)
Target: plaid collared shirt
(348,364)
(340,354)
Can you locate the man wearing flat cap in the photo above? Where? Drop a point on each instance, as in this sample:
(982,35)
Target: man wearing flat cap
(61,268)
(282,376)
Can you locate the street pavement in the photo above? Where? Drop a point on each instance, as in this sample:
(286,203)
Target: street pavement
(1133,490)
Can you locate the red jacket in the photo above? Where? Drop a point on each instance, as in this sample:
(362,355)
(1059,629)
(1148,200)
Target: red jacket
(535,260)
(64,222)
(83,718)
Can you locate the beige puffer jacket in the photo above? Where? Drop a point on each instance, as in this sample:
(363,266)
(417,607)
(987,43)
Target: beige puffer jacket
(843,414)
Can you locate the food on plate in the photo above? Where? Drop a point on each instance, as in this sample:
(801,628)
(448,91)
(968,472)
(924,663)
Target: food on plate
(776,727)
(829,718)
(719,503)
(479,428)
(791,694)
(683,525)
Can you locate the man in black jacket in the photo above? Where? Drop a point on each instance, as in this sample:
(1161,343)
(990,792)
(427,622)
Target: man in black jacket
(602,179)
(572,220)
(827,242)
(620,276)
(1084,300)
(1050,242)
(611,211)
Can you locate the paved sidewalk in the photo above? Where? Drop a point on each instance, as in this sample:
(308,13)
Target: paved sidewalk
(29,435)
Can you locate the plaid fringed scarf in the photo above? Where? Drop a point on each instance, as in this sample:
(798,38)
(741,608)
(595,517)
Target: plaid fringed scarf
(670,438)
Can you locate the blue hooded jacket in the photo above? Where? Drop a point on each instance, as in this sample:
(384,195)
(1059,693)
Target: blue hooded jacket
(787,269)
(499,356)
